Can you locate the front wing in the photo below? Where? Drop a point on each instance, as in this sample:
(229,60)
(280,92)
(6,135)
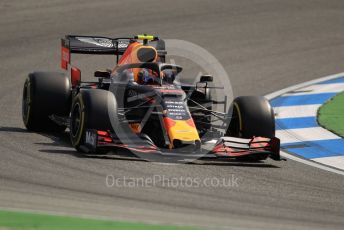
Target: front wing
(240,147)
(225,147)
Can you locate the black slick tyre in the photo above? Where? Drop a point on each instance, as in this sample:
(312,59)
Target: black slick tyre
(252,116)
(45,94)
(90,111)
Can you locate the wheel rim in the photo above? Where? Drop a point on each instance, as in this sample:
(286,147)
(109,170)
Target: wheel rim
(75,120)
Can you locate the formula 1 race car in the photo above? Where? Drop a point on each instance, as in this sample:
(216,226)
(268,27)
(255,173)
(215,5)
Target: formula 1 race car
(141,106)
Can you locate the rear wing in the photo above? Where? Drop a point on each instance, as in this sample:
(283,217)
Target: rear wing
(91,45)
(99,45)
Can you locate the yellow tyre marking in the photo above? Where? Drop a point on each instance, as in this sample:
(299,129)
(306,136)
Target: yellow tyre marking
(28,94)
(239,115)
(82,120)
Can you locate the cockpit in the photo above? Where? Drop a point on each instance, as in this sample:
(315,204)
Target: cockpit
(149,73)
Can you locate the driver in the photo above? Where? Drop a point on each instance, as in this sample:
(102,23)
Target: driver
(145,77)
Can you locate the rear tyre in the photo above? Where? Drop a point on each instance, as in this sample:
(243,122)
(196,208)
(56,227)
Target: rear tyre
(252,117)
(44,94)
(90,111)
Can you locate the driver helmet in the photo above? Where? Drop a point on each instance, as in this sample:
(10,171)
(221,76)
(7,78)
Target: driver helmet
(145,77)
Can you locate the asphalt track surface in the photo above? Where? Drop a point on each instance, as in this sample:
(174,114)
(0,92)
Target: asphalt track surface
(265,45)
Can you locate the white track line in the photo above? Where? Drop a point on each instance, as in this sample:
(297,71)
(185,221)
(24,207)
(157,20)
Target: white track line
(315,89)
(337,161)
(305,134)
(293,88)
(301,85)
(311,163)
(289,111)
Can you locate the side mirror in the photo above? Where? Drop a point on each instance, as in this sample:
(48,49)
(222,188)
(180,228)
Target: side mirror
(206,78)
(102,74)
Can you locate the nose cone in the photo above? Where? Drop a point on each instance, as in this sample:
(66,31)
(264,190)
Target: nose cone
(181,132)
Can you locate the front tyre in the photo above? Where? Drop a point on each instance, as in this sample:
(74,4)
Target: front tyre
(90,111)
(252,116)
